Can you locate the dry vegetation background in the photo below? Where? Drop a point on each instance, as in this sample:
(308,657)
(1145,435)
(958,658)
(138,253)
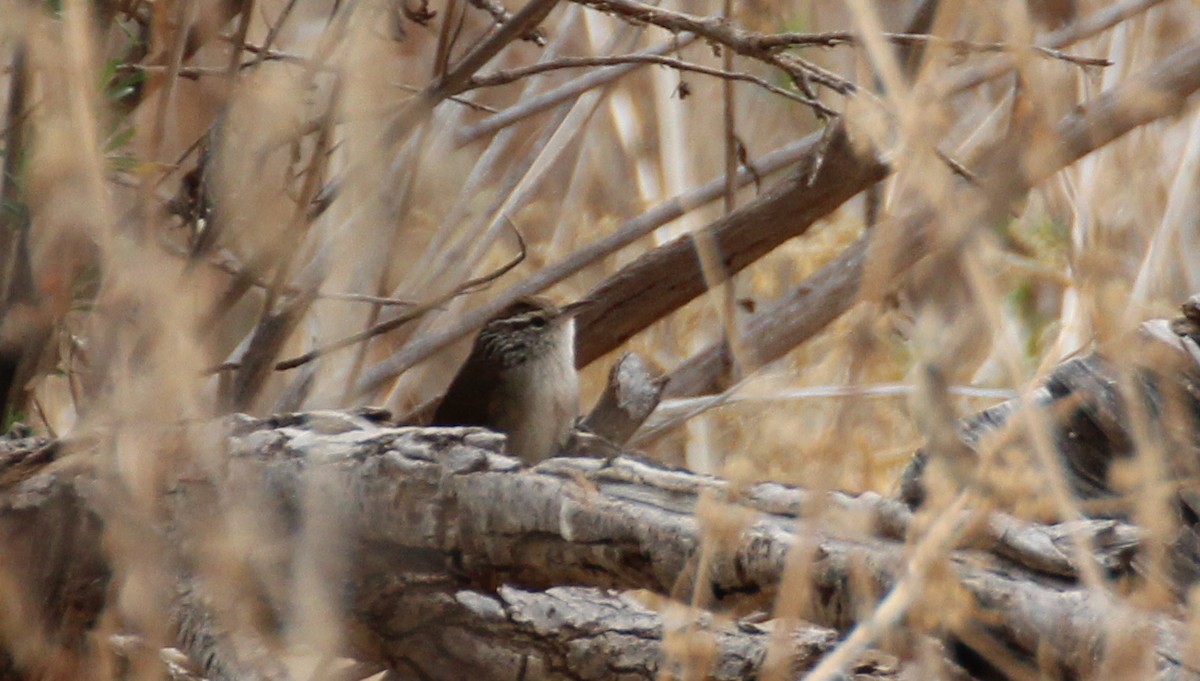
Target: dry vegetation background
(117,113)
(194,191)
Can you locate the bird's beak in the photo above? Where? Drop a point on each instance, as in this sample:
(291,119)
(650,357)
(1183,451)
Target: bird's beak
(576,307)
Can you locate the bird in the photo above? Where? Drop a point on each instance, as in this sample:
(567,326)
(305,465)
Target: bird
(520,379)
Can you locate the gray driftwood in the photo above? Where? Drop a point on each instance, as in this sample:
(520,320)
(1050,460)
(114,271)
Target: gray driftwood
(579,633)
(1100,409)
(630,396)
(431,536)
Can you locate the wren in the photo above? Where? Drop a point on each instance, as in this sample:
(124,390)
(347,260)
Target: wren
(520,379)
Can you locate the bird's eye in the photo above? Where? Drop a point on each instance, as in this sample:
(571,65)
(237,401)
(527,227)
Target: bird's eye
(537,322)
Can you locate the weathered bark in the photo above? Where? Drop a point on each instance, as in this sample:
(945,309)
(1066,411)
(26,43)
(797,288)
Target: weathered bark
(1099,409)
(577,633)
(668,277)
(1005,171)
(627,524)
(217,648)
(53,573)
(428,536)
(431,521)
(405,600)
(630,396)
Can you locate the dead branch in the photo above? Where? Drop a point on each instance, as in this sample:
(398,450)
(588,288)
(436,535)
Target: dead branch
(776,41)
(781,326)
(666,278)
(508,76)
(577,633)
(1086,27)
(624,235)
(719,31)
(453,82)
(670,275)
(627,524)
(430,512)
(631,394)
(500,15)
(220,653)
(533,105)
(402,601)
(1088,399)
(415,312)
(833,290)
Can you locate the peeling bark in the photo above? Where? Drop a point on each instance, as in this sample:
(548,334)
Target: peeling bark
(580,633)
(431,536)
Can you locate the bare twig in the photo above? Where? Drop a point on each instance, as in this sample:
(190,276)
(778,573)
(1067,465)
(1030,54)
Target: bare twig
(239,39)
(198,72)
(507,76)
(530,106)
(186,72)
(1097,22)
(626,234)
(265,50)
(184,19)
(668,277)
(451,25)
(366,298)
(266,53)
(716,30)
(456,99)
(12,234)
(521,23)
(224,261)
(830,292)
(776,41)
(417,311)
(501,15)
(1086,27)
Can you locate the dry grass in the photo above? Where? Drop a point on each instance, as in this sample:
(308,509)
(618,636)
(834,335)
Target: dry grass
(132,327)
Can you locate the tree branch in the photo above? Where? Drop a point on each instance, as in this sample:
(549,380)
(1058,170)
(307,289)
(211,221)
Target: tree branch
(625,234)
(666,278)
(581,633)
(419,515)
(719,31)
(827,294)
(504,77)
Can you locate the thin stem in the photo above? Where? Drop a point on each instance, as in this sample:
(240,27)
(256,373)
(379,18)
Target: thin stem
(507,76)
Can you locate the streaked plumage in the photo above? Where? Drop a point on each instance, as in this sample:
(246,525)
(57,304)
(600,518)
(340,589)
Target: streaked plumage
(519,379)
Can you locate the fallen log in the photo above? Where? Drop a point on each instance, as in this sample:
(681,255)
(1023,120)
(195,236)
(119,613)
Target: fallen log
(360,507)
